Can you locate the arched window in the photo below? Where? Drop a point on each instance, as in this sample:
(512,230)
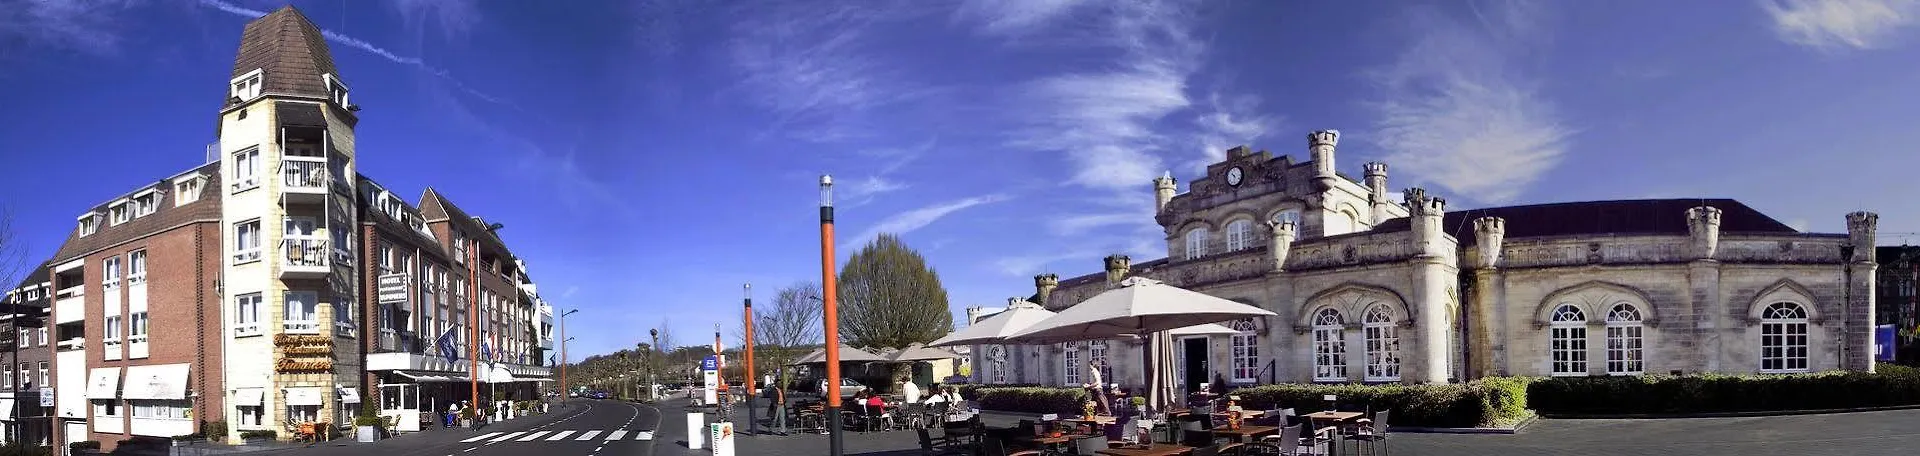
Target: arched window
(1569,340)
(1329,347)
(1783,338)
(1246,351)
(1290,215)
(1070,365)
(1097,354)
(997,364)
(1625,353)
(1239,235)
(1383,346)
(1196,243)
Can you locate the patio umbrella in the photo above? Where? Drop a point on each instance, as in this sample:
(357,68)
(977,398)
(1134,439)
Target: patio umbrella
(1019,315)
(918,352)
(1209,329)
(1141,307)
(847,355)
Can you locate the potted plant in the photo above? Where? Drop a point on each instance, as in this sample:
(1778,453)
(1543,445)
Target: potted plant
(214,430)
(86,447)
(258,436)
(366,427)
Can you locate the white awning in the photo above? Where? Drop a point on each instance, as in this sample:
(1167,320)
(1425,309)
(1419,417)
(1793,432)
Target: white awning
(250,396)
(499,374)
(164,381)
(6,410)
(103,383)
(348,395)
(305,396)
(424,377)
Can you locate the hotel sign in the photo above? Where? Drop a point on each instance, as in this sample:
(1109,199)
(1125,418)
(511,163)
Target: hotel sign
(394,288)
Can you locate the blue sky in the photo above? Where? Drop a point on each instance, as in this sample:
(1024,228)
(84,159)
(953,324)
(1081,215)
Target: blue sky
(649,157)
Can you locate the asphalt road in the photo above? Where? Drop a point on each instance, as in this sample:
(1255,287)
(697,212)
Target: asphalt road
(580,427)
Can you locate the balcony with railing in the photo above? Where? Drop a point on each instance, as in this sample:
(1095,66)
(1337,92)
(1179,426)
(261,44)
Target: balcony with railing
(305,257)
(304,179)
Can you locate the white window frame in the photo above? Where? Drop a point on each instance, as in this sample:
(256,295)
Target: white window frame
(242,252)
(248,86)
(246,314)
(1784,330)
(187,190)
(110,328)
(45,374)
(336,90)
(1070,364)
(1567,342)
(137,267)
(120,212)
(997,365)
(1196,243)
(146,202)
(90,223)
(308,305)
(246,169)
(1239,235)
(138,327)
(1329,346)
(1243,359)
(40,334)
(1100,354)
(1382,335)
(110,272)
(1626,341)
(343,317)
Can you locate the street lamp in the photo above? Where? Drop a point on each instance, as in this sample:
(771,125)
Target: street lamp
(652,363)
(746,296)
(831,328)
(564,392)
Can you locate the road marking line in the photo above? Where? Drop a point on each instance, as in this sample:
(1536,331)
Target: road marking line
(643,435)
(589,435)
(616,435)
(506,437)
(531,437)
(559,435)
(597,449)
(481,437)
(469,449)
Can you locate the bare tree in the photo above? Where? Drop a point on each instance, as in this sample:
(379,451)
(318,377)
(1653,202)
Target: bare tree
(13,253)
(783,328)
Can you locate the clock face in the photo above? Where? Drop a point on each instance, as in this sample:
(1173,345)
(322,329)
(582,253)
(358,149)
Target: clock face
(1234,175)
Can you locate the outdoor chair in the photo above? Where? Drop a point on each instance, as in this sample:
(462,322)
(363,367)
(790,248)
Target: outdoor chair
(1286,443)
(1372,432)
(914,416)
(960,432)
(1090,445)
(997,447)
(928,447)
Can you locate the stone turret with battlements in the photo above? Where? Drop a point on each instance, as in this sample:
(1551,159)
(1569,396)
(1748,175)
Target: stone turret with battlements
(1320,145)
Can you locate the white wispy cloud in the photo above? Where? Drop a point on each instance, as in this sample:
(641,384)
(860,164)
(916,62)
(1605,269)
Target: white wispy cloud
(1015,17)
(1832,25)
(907,222)
(1455,112)
(1230,121)
(84,26)
(812,66)
(570,291)
(363,45)
(454,18)
(862,190)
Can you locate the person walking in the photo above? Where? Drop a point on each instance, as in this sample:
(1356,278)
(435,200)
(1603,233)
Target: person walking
(910,390)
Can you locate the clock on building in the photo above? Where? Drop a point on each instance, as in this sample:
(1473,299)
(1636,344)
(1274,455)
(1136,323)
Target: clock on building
(1234,175)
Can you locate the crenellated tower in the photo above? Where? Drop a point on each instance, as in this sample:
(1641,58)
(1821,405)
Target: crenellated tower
(1434,277)
(1376,180)
(1320,145)
(1703,226)
(1164,187)
(1117,267)
(1486,357)
(1043,286)
(1284,232)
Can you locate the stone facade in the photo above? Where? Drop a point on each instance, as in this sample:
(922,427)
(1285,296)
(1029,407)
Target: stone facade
(1371,289)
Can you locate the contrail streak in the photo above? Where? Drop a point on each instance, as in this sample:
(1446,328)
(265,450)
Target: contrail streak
(357,43)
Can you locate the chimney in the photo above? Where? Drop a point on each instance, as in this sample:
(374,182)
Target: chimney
(1117,268)
(1043,286)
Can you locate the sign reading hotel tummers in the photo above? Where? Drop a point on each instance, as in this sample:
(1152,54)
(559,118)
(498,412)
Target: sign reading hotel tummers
(393,288)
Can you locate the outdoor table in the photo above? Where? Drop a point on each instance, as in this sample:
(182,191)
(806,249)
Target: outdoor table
(1098,420)
(1337,418)
(1244,432)
(1156,449)
(1047,444)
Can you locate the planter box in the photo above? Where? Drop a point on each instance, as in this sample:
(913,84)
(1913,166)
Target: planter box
(366,434)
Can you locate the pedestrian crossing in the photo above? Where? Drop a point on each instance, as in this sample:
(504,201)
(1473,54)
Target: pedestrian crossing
(568,435)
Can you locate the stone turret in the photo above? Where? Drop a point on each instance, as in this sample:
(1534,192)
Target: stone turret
(1043,286)
(1376,179)
(974,314)
(1489,233)
(1860,231)
(1163,191)
(1320,146)
(1284,232)
(1425,214)
(1117,268)
(1703,225)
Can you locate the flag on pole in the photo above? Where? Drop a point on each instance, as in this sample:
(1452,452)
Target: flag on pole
(445,342)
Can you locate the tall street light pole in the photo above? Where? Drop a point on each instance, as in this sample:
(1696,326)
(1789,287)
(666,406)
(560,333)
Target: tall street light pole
(831,313)
(652,363)
(753,423)
(563,353)
(473,316)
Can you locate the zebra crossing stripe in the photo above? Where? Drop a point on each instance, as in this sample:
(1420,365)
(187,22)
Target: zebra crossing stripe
(481,437)
(507,437)
(531,437)
(589,435)
(559,435)
(616,435)
(643,435)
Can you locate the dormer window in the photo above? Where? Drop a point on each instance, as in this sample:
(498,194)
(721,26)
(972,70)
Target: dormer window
(145,202)
(120,212)
(247,86)
(89,223)
(187,189)
(336,91)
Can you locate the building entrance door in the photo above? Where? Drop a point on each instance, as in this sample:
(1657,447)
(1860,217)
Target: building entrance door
(1194,350)
(402,402)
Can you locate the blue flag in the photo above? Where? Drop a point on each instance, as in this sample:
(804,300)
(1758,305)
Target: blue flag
(446,346)
(552,361)
(485,353)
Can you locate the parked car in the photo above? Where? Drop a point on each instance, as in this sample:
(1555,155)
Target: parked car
(848,387)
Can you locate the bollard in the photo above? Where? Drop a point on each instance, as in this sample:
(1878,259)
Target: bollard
(696,435)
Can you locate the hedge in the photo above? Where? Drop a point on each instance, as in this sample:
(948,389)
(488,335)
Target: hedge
(1714,393)
(1028,399)
(1478,403)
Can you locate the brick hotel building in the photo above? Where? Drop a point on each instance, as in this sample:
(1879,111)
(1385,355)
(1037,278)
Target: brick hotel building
(275,285)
